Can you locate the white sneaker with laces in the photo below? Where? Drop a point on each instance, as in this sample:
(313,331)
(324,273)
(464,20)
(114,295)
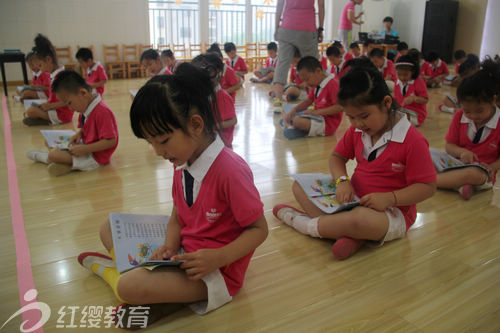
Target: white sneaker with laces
(38,156)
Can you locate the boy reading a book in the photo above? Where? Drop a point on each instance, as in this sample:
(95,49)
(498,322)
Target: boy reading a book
(95,142)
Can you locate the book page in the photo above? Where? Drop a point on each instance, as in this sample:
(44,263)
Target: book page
(33,102)
(58,138)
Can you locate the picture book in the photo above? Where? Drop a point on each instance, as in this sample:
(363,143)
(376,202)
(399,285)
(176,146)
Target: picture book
(58,138)
(288,107)
(33,102)
(135,237)
(320,188)
(445,162)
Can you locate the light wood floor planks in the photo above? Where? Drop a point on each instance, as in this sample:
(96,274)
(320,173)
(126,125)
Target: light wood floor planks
(443,277)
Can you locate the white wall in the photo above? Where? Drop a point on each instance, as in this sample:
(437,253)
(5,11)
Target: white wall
(490,44)
(71,22)
(409,16)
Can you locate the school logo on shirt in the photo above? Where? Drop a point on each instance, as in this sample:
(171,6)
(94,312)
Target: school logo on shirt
(213,215)
(398,167)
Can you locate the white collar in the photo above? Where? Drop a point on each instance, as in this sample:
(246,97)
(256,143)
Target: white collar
(163,70)
(396,134)
(235,59)
(92,105)
(56,73)
(94,68)
(200,167)
(218,87)
(326,80)
(385,65)
(492,123)
(408,83)
(225,69)
(37,74)
(439,63)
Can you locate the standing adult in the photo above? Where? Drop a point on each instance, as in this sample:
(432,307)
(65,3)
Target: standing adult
(295,30)
(347,18)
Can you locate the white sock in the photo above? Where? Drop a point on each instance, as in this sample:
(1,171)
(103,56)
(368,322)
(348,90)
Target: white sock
(306,225)
(38,156)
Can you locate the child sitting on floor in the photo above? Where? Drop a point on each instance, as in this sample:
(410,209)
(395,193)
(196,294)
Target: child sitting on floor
(40,82)
(95,74)
(266,74)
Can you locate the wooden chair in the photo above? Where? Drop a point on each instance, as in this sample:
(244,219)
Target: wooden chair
(194,50)
(162,47)
(65,57)
(142,48)
(113,62)
(251,51)
(179,51)
(262,49)
(131,56)
(91,48)
(322,48)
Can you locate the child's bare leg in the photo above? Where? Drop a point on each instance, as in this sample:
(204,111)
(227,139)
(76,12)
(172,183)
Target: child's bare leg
(163,285)
(303,124)
(35,112)
(267,77)
(105,233)
(60,156)
(29,94)
(304,202)
(454,179)
(359,223)
(258,74)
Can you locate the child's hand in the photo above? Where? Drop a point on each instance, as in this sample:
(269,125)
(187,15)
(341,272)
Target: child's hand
(162,253)
(44,107)
(491,171)
(287,117)
(378,201)
(344,192)
(408,100)
(468,157)
(78,150)
(75,139)
(200,263)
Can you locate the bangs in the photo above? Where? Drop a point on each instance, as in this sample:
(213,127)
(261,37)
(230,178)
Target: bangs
(152,113)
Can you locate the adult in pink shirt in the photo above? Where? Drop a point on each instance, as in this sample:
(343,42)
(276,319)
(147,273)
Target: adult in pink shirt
(347,18)
(295,29)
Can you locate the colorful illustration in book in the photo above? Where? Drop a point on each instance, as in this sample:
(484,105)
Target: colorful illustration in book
(327,201)
(145,251)
(325,186)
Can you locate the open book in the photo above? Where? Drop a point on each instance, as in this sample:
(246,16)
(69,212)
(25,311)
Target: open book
(58,138)
(445,162)
(288,107)
(33,102)
(20,89)
(320,188)
(135,237)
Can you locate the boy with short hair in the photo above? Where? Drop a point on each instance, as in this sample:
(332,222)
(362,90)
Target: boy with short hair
(95,74)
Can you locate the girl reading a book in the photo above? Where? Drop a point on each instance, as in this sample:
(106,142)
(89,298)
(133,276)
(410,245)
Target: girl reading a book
(394,171)
(217,218)
(474,133)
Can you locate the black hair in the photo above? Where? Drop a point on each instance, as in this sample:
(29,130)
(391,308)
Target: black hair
(44,48)
(338,44)
(70,81)
(229,46)
(210,62)
(166,102)
(354,45)
(333,51)
(376,52)
(85,54)
(388,19)
(29,56)
(459,54)
(470,64)
(149,54)
(362,62)
(167,53)
(214,48)
(414,68)
(272,46)
(309,63)
(415,53)
(482,86)
(432,56)
(402,46)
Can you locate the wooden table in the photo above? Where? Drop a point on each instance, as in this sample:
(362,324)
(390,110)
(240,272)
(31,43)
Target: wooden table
(12,57)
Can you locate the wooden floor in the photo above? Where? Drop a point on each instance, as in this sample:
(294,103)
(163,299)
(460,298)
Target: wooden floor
(443,277)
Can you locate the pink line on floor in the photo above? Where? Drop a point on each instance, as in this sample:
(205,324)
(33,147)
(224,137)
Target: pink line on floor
(24,274)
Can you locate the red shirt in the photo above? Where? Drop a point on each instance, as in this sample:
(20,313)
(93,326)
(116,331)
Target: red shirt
(327,97)
(229,79)
(270,62)
(226,204)
(429,70)
(238,64)
(100,124)
(225,104)
(415,87)
(347,56)
(294,77)
(324,62)
(64,113)
(400,165)
(42,79)
(97,74)
(389,68)
(487,151)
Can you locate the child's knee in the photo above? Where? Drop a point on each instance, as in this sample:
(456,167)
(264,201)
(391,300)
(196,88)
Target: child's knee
(130,289)
(475,176)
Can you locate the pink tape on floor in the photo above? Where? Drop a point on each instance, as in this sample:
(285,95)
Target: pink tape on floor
(24,274)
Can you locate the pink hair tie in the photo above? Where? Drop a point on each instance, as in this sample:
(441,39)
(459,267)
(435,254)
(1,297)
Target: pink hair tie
(404,64)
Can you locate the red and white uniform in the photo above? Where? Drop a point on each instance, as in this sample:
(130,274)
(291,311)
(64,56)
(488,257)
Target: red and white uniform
(238,64)
(463,130)
(224,204)
(347,56)
(164,71)
(324,62)
(42,79)
(294,77)
(225,105)
(97,74)
(64,113)
(429,70)
(415,87)
(403,159)
(325,97)
(388,68)
(100,124)
(229,79)
(271,62)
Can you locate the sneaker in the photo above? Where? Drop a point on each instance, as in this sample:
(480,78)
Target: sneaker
(466,191)
(293,133)
(87,259)
(277,106)
(59,169)
(345,247)
(281,209)
(35,122)
(38,156)
(447,109)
